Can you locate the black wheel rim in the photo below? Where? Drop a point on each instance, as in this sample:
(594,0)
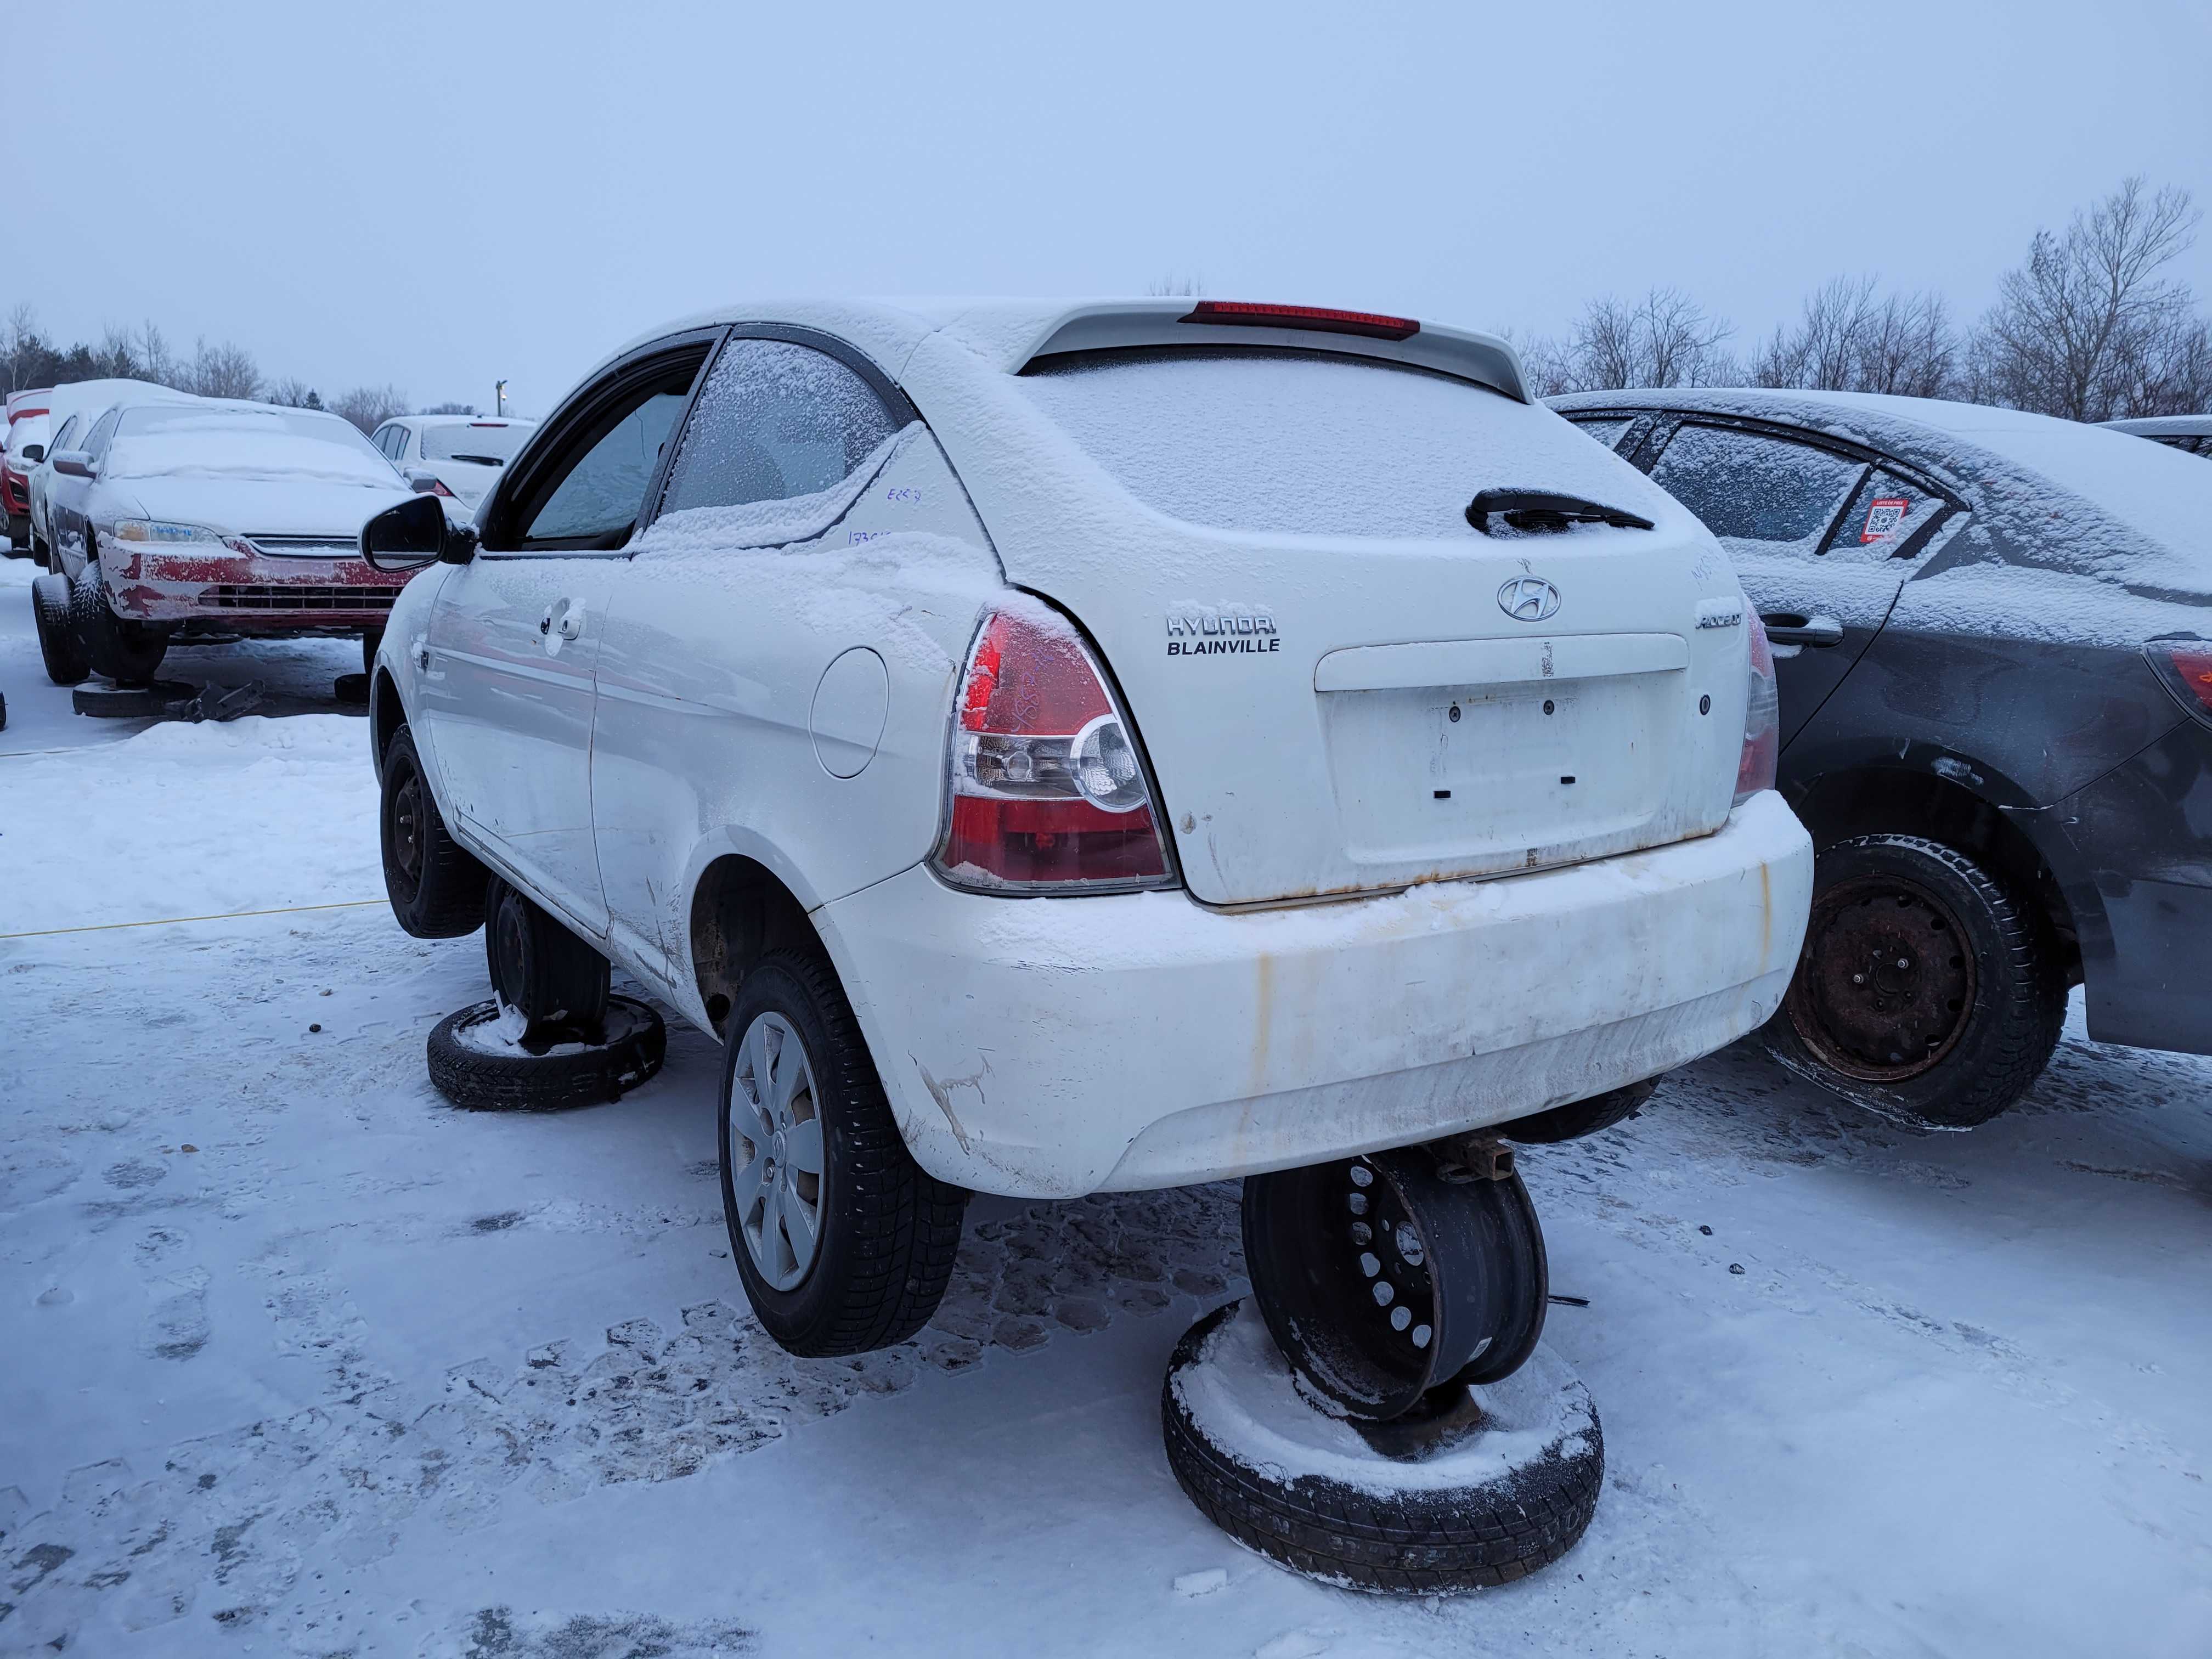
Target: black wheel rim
(1886,983)
(1383,1282)
(407,832)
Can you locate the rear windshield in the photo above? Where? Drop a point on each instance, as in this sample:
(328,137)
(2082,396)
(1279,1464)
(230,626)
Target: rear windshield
(1275,441)
(243,442)
(492,444)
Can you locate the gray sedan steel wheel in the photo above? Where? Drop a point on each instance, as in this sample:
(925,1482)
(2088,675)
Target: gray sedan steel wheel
(776,1151)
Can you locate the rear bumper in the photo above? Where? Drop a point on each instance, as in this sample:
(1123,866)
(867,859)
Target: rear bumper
(240,593)
(1048,1048)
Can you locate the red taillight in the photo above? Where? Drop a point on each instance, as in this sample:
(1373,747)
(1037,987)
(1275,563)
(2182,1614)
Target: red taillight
(1374,325)
(1762,719)
(2186,665)
(438,487)
(1048,790)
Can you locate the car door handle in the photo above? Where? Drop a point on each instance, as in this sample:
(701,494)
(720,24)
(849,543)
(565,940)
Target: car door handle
(571,624)
(1788,628)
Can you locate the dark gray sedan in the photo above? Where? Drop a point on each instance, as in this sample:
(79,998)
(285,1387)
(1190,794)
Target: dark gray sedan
(1994,642)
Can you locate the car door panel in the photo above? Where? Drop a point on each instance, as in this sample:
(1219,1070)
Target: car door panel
(508,694)
(1781,507)
(509,687)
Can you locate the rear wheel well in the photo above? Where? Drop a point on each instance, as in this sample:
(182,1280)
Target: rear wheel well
(1876,800)
(739,913)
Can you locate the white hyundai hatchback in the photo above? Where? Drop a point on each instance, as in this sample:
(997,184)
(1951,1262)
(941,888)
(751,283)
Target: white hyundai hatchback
(1076,748)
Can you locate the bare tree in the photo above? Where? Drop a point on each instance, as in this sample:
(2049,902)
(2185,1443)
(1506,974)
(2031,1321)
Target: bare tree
(1847,339)
(292,393)
(451,408)
(1175,287)
(223,371)
(1665,338)
(157,362)
(20,346)
(369,407)
(2089,327)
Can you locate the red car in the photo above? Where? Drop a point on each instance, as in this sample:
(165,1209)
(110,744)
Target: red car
(27,429)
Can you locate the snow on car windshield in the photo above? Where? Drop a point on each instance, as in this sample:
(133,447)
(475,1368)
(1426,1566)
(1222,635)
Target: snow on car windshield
(1262,439)
(492,441)
(243,442)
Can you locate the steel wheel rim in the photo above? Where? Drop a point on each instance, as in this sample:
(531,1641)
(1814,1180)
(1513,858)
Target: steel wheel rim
(407,829)
(774,1152)
(1888,981)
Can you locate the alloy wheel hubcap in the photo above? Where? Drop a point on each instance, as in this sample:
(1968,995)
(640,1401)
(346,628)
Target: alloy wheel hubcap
(776,1151)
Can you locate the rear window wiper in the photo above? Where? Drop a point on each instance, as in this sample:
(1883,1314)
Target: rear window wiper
(1540,510)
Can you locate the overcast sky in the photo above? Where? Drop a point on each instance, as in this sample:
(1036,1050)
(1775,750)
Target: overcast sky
(441,196)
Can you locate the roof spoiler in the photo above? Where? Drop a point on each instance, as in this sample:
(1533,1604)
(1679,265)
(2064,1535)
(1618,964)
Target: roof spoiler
(1484,359)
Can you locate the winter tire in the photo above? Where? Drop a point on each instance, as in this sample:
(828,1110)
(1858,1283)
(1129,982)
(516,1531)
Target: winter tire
(1926,992)
(436,887)
(150,701)
(128,652)
(58,644)
(537,966)
(844,1243)
(19,537)
(475,1064)
(1306,1490)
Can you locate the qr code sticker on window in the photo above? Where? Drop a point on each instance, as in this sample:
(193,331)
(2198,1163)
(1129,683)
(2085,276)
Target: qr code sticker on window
(1883,517)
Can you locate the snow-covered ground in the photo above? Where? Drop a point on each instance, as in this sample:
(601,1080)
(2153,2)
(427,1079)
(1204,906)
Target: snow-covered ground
(299,1360)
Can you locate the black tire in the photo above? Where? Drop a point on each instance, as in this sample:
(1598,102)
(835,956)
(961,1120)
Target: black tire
(886,1229)
(19,536)
(474,1069)
(369,640)
(1579,1118)
(40,556)
(539,966)
(1951,1036)
(351,689)
(1408,1540)
(58,644)
(157,699)
(128,652)
(436,887)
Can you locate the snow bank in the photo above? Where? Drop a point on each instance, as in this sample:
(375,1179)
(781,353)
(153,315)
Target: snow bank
(190,820)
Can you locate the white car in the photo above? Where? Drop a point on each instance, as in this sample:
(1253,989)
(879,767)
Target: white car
(2190,433)
(460,455)
(73,407)
(1063,749)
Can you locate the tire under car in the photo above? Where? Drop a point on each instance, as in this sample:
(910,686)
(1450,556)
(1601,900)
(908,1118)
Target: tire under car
(1926,991)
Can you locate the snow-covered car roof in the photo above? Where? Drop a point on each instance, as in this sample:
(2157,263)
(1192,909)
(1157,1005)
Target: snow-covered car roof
(1008,333)
(427,421)
(96,396)
(2053,494)
(2165,426)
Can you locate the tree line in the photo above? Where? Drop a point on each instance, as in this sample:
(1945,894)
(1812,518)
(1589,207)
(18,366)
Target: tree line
(28,358)
(2091,325)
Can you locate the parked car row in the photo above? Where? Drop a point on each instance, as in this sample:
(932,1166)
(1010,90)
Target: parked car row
(161,517)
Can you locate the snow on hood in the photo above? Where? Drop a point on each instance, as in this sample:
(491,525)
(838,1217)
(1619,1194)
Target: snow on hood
(281,505)
(2054,496)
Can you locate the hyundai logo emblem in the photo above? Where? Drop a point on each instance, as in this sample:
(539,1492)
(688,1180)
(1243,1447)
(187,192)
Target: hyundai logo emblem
(1528,598)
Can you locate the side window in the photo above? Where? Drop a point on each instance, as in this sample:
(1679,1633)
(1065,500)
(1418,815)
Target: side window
(95,444)
(1605,428)
(774,421)
(1884,519)
(597,501)
(63,437)
(1766,493)
(383,441)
